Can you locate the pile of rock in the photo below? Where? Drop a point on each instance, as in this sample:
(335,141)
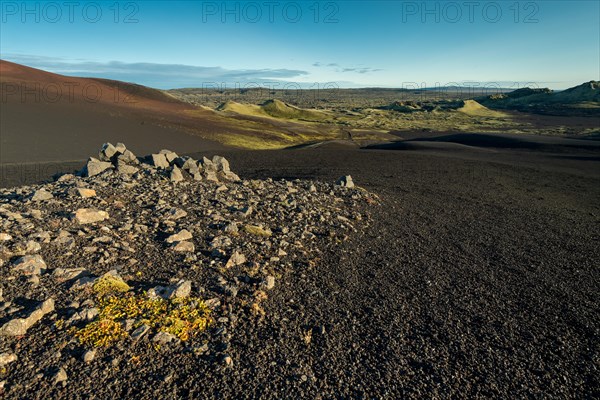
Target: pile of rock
(178,168)
(123,222)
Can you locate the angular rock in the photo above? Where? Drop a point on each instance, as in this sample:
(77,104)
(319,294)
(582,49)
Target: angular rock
(211,176)
(67,274)
(126,169)
(246,211)
(159,161)
(171,156)
(189,165)
(41,195)
(37,214)
(345,181)
(5,237)
(128,157)
(89,356)
(89,216)
(176,213)
(194,169)
(107,152)
(7,358)
(269,282)
(227,360)
(208,165)
(30,265)
(65,178)
(182,289)
(228,176)
(236,258)
(120,148)
(183,235)
(83,283)
(139,332)
(84,193)
(231,228)
(87,314)
(128,324)
(221,163)
(60,376)
(184,247)
(65,239)
(19,326)
(220,242)
(176,175)
(95,167)
(32,247)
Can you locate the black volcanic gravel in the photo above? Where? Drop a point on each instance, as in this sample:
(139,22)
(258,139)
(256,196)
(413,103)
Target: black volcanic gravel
(478,277)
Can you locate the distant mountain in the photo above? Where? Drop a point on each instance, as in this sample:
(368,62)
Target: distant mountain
(582,100)
(587,92)
(272,109)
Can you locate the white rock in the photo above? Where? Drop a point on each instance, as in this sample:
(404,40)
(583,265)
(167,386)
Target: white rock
(60,376)
(128,157)
(7,358)
(32,247)
(182,289)
(176,213)
(176,175)
(184,247)
(66,178)
(159,161)
(42,195)
(120,148)
(345,181)
(211,176)
(269,282)
(183,235)
(89,356)
(228,361)
(190,165)
(85,193)
(221,163)
(19,326)
(126,169)
(95,167)
(107,152)
(169,155)
(89,216)
(236,258)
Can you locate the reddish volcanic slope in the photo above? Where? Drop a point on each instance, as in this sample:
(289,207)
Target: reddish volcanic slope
(51,117)
(25,84)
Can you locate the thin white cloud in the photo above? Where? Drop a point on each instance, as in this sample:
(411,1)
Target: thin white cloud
(157,75)
(338,68)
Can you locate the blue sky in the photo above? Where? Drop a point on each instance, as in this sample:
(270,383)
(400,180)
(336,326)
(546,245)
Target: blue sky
(309,43)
